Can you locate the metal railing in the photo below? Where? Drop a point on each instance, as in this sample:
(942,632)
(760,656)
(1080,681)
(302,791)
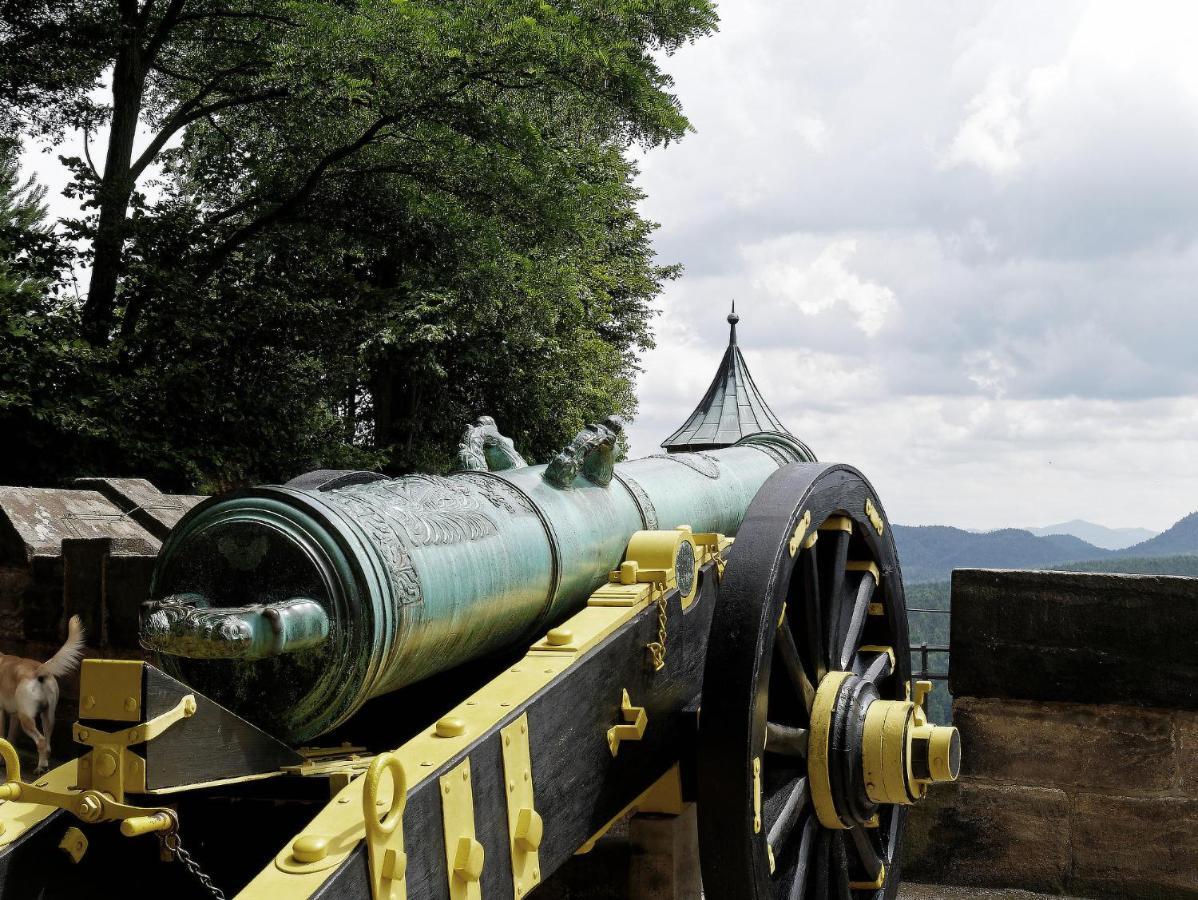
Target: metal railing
(924,671)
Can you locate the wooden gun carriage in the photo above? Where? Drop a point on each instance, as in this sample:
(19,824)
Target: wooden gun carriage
(445,688)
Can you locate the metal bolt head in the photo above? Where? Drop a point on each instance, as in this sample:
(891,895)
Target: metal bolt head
(106,764)
(450,727)
(310,848)
(559,637)
(89,702)
(530,828)
(90,807)
(130,704)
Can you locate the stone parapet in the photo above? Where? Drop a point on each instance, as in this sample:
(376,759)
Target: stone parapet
(1077,703)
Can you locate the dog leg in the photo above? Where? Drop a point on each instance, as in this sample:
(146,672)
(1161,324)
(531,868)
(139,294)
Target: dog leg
(43,746)
(48,728)
(13,725)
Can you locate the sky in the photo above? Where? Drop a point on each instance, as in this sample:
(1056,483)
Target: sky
(961,241)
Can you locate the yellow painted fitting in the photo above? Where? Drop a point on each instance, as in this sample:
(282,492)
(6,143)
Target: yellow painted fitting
(12,764)
(800,533)
(450,727)
(658,552)
(139,825)
(875,518)
(884,751)
(635,720)
(310,848)
(559,637)
(384,837)
(875,648)
(837,523)
(74,842)
(870,885)
(468,859)
(757,795)
(864,566)
(530,829)
(769,851)
(819,779)
(10,791)
(944,753)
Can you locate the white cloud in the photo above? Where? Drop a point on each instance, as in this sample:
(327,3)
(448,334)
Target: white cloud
(819,285)
(976,278)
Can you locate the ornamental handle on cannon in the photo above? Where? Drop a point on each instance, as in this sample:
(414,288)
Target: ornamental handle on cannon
(592,454)
(188,625)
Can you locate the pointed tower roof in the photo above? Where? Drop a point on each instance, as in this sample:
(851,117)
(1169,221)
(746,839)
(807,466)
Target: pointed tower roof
(731,409)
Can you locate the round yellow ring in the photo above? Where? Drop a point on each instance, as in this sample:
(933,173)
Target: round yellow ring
(370,793)
(819,779)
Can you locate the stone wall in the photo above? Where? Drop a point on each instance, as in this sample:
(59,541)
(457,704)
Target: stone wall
(1077,700)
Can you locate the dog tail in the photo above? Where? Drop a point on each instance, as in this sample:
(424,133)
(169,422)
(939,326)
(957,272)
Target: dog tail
(67,658)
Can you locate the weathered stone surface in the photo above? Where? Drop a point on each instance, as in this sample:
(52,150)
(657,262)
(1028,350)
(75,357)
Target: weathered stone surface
(909,891)
(1084,638)
(1187,752)
(1123,749)
(1135,848)
(978,834)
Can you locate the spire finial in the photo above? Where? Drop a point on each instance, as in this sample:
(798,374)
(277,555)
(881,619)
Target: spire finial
(733,318)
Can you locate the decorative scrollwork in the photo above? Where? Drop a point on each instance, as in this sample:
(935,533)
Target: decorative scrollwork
(641,499)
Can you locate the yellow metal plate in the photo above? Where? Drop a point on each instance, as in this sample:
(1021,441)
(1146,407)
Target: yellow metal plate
(111,689)
(464,857)
(524,823)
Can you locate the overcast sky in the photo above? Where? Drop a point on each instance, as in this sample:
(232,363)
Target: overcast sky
(961,238)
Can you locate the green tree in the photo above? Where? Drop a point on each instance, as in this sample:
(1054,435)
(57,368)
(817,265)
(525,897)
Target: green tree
(372,220)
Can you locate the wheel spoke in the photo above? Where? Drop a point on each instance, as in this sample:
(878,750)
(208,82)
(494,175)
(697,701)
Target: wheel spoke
(813,609)
(788,815)
(823,865)
(840,869)
(785,642)
(871,860)
(798,887)
(877,669)
(785,740)
(856,624)
(835,561)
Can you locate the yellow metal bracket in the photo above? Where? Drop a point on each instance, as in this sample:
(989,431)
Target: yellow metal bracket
(74,842)
(111,689)
(524,823)
(87,805)
(384,837)
(110,766)
(464,855)
(632,728)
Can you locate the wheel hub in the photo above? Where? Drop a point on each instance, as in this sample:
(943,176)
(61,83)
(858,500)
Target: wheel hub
(865,751)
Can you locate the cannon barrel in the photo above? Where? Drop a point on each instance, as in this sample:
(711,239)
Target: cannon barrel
(293,605)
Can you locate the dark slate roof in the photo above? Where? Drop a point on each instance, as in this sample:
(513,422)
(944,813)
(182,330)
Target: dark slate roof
(731,409)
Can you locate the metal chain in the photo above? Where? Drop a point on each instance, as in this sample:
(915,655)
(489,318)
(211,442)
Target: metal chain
(658,648)
(171,841)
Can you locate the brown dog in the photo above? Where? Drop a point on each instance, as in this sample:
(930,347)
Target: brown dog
(29,690)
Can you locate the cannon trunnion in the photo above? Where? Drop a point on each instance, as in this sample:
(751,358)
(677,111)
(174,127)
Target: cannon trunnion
(604,646)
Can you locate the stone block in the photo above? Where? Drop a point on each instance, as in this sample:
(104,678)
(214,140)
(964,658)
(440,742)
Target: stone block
(1075,637)
(978,834)
(1121,749)
(126,587)
(1135,847)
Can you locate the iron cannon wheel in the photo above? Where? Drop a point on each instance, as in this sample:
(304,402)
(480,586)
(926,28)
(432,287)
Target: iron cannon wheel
(812,584)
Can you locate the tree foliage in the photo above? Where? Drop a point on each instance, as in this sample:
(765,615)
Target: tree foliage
(349,226)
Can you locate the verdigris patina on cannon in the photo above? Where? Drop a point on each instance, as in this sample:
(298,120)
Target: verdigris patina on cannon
(337,587)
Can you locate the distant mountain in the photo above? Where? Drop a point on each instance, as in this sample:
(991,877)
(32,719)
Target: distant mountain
(931,552)
(1098,535)
(1180,538)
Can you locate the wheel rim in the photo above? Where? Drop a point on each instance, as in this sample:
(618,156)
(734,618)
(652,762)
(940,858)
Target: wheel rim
(807,666)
